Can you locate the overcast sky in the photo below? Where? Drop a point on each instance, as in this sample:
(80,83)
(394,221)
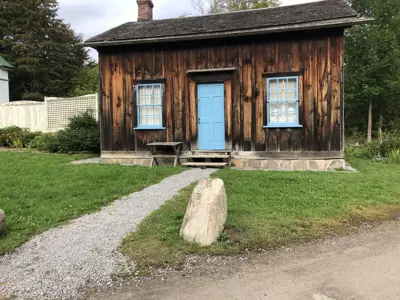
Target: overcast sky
(91,17)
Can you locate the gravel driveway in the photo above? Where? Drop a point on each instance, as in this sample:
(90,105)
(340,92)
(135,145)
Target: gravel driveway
(59,263)
(361,266)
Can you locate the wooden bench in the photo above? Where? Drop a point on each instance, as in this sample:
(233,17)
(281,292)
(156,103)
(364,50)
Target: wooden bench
(176,146)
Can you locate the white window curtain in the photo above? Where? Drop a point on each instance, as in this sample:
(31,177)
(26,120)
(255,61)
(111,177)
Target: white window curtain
(149,105)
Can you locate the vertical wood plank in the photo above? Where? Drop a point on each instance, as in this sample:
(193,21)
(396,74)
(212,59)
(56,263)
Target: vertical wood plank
(169,94)
(106,126)
(259,115)
(236,100)
(247,96)
(285,56)
(322,95)
(193,114)
(314,85)
(329,119)
(117,104)
(228,114)
(127,103)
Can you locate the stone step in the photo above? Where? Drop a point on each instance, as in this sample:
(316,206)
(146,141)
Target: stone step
(205,164)
(202,152)
(209,156)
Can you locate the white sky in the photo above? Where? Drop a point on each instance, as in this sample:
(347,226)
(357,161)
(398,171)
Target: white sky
(91,17)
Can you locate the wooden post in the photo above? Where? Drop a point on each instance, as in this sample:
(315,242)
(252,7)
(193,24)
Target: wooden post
(369,136)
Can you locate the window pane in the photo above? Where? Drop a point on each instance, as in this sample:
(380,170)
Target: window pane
(282,117)
(158,110)
(273,113)
(282,95)
(150,120)
(141,97)
(282,84)
(157,99)
(273,95)
(157,90)
(282,107)
(146,110)
(291,95)
(149,90)
(282,113)
(158,120)
(142,120)
(292,83)
(292,117)
(273,84)
(149,99)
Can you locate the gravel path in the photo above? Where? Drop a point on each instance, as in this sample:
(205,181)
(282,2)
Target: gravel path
(59,263)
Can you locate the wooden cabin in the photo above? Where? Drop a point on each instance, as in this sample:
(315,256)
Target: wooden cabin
(263,87)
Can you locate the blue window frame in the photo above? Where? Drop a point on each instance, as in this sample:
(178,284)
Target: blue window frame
(283,102)
(149,106)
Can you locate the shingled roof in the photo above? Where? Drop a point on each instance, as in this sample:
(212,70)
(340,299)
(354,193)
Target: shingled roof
(328,13)
(5,64)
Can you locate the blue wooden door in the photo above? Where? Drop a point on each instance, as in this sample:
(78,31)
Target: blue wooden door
(211,116)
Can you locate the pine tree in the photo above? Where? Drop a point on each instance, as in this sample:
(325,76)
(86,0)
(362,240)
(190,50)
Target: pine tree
(44,50)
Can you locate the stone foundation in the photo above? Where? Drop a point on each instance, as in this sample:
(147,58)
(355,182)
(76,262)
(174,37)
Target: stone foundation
(290,165)
(239,161)
(127,161)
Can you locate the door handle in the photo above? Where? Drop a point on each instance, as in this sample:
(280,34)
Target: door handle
(199,120)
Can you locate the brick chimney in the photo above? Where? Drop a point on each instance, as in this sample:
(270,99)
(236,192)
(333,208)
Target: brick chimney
(145,10)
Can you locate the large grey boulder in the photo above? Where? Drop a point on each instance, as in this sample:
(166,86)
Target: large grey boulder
(206,213)
(2,221)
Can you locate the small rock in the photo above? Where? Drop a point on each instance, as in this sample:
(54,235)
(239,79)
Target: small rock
(2,221)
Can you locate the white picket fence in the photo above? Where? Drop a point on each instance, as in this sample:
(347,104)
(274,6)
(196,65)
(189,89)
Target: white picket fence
(51,115)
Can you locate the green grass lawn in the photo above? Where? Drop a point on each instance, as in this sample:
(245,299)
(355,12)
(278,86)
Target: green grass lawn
(271,209)
(39,191)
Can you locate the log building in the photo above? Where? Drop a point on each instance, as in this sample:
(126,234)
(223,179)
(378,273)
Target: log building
(262,86)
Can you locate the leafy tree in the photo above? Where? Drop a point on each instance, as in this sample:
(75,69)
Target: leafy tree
(204,7)
(372,66)
(44,50)
(87,80)
(234,5)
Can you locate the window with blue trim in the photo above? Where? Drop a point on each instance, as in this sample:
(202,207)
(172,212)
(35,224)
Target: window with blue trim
(149,106)
(283,102)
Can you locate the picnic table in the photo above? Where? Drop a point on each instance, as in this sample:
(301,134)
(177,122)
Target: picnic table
(176,146)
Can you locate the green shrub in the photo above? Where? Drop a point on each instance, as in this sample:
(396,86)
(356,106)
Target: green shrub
(394,156)
(45,141)
(82,134)
(16,137)
(388,143)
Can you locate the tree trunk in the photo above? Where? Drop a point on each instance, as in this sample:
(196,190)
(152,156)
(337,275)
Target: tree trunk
(369,135)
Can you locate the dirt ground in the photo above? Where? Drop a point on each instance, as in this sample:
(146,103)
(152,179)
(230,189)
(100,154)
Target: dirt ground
(361,266)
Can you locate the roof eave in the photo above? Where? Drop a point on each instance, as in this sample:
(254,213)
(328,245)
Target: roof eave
(342,22)
(8,68)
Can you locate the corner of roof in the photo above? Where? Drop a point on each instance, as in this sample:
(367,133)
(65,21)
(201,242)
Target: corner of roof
(5,63)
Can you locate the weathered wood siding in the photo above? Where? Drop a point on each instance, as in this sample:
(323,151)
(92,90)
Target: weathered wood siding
(319,55)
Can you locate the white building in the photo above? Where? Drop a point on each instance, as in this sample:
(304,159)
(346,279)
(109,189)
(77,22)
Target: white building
(5,67)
